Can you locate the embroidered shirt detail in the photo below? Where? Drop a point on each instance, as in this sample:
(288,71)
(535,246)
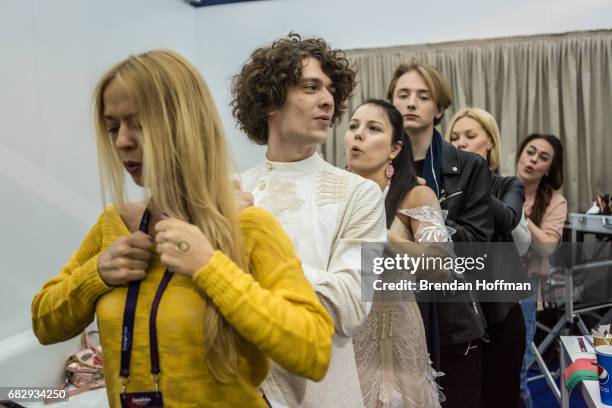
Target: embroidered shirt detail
(282,196)
(331,188)
(283,201)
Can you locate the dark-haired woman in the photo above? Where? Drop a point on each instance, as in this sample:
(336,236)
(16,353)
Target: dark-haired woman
(540,168)
(391,351)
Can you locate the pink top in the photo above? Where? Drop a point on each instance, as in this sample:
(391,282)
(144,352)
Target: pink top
(552,223)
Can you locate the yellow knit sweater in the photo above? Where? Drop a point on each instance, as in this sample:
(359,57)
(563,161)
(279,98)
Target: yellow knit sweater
(275,311)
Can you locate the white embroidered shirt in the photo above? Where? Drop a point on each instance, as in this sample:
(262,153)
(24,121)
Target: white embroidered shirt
(327,212)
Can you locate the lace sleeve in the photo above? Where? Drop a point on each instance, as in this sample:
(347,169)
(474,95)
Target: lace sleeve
(431,228)
(427,228)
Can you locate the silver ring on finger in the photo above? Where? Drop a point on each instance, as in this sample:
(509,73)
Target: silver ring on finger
(183,246)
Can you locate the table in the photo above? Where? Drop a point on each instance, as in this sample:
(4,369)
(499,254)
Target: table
(581,225)
(570,352)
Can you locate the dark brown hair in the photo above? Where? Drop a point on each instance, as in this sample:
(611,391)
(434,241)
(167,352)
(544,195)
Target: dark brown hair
(404,178)
(262,83)
(437,84)
(549,183)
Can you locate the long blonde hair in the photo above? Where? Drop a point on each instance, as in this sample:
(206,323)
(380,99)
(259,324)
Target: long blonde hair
(185,167)
(489,125)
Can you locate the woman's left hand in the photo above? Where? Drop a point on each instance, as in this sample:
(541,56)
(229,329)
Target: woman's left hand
(183,248)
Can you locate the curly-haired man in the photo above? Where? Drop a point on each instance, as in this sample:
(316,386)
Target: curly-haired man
(287,96)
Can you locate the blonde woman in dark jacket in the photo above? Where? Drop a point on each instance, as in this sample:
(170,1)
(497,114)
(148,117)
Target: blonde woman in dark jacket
(475,130)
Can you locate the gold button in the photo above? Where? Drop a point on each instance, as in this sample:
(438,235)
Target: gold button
(269,166)
(261,186)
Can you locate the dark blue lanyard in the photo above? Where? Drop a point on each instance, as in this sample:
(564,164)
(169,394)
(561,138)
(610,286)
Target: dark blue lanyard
(130,312)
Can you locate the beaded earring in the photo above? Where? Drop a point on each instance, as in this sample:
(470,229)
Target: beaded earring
(390,170)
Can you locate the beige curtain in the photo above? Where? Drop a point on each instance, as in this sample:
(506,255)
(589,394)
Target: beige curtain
(559,84)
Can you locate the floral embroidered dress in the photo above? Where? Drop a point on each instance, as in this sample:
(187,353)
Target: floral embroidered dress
(391,351)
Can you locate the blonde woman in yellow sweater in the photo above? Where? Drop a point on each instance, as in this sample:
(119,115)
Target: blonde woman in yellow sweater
(192,298)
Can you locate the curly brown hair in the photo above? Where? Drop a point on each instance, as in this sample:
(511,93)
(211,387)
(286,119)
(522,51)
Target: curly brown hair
(262,83)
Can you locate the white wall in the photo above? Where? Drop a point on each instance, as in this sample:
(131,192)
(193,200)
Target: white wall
(53,51)
(52,54)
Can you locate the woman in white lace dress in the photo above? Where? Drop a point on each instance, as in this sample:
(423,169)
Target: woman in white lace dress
(391,351)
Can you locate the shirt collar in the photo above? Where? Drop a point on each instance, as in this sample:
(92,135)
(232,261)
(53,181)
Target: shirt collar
(307,166)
